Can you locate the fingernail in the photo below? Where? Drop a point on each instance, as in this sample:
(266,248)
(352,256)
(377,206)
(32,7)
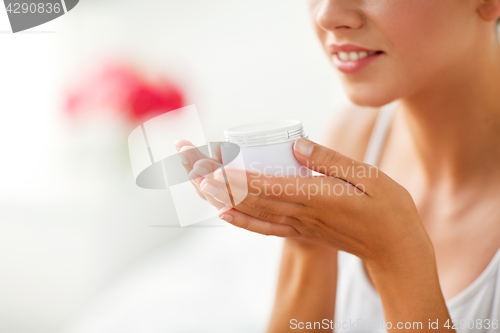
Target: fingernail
(183,159)
(195,177)
(223,210)
(201,170)
(178,144)
(226,217)
(183,156)
(218,176)
(303,147)
(208,187)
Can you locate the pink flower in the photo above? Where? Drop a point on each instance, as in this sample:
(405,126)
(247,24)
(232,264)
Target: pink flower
(122,89)
(148,101)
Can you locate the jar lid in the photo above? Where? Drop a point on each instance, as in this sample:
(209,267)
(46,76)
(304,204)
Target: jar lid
(265,133)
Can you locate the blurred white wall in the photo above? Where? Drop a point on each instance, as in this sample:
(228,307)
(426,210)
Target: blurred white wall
(77,250)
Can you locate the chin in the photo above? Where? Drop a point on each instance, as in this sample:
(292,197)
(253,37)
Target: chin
(370,95)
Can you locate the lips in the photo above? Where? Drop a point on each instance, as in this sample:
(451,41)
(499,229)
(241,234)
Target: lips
(349,58)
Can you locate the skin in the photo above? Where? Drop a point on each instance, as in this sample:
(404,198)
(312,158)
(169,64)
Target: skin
(432,209)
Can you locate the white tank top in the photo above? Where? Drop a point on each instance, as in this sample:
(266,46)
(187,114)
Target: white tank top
(358,305)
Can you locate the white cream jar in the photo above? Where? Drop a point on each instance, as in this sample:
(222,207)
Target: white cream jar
(267,147)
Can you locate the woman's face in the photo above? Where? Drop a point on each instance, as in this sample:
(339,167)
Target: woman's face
(418,44)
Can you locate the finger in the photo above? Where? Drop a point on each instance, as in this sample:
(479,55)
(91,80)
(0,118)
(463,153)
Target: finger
(178,144)
(215,146)
(220,194)
(261,207)
(253,224)
(202,168)
(211,200)
(334,164)
(285,203)
(243,184)
(217,185)
(198,191)
(217,204)
(290,189)
(189,155)
(270,211)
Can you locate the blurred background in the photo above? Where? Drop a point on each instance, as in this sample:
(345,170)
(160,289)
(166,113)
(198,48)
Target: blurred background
(82,249)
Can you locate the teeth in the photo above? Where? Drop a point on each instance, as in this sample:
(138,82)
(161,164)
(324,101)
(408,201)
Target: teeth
(353,56)
(343,56)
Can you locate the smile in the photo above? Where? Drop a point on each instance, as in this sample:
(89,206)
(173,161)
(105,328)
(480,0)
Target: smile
(353,61)
(353,56)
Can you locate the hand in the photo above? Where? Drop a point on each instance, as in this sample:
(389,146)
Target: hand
(189,156)
(352,205)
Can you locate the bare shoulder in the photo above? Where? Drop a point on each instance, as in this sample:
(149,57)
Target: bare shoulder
(349,130)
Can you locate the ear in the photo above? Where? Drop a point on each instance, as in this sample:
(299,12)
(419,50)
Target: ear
(489,10)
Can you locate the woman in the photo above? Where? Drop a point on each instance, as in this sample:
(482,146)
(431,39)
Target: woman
(420,239)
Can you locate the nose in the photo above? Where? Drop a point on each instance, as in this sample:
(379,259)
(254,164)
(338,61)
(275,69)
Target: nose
(335,15)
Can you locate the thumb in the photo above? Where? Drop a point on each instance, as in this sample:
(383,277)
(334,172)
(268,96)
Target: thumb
(332,163)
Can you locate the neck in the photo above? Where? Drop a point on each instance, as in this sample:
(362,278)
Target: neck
(456,132)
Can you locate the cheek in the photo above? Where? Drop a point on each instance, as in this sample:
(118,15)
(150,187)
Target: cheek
(422,33)
(421,39)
